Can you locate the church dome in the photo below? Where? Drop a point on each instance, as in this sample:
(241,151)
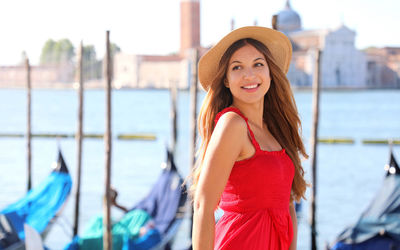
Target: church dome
(288,20)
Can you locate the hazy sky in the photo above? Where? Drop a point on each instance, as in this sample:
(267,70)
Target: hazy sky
(152,26)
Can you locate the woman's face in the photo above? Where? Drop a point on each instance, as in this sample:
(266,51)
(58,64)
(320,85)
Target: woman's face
(248,75)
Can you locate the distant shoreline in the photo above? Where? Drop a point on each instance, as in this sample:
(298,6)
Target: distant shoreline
(97,85)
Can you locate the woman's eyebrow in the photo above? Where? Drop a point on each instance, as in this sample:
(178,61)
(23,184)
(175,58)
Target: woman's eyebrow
(236,61)
(259,58)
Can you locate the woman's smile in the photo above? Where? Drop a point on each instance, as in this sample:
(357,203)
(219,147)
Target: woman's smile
(251,87)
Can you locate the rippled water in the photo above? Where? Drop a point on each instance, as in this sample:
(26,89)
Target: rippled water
(348,175)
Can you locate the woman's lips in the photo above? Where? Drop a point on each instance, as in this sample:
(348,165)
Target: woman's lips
(250,87)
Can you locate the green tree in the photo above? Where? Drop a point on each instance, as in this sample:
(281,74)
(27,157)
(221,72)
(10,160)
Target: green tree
(91,66)
(114,49)
(47,56)
(89,53)
(56,52)
(64,51)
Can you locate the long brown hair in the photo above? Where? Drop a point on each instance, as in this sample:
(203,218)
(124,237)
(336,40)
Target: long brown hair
(280,114)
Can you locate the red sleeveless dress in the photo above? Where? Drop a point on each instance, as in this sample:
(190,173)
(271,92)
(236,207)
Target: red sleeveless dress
(255,201)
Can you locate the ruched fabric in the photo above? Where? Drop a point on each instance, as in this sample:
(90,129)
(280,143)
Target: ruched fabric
(255,201)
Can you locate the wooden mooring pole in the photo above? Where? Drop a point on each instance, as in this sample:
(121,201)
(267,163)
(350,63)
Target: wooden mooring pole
(275,22)
(78,138)
(28,122)
(314,142)
(107,237)
(193,117)
(173,115)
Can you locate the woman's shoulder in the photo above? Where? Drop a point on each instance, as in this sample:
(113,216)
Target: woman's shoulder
(229,133)
(232,110)
(231,122)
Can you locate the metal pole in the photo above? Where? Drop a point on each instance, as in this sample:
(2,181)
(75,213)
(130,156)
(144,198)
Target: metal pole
(173,92)
(107,238)
(28,121)
(79,139)
(313,142)
(193,116)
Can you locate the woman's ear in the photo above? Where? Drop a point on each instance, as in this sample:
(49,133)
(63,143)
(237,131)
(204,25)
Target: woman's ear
(226,83)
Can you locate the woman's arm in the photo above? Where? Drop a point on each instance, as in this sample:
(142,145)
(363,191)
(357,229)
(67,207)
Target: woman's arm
(223,149)
(292,210)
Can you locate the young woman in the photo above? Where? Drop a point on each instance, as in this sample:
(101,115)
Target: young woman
(249,162)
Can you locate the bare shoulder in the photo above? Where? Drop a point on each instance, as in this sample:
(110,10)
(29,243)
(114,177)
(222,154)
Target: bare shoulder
(229,135)
(231,122)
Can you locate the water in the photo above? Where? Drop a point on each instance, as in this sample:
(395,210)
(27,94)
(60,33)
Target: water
(348,175)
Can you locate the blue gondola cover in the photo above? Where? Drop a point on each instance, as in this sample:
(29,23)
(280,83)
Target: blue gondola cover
(38,207)
(163,203)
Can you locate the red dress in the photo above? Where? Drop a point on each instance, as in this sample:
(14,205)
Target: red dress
(255,201)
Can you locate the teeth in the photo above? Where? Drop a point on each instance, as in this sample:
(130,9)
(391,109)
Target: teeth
(250,86)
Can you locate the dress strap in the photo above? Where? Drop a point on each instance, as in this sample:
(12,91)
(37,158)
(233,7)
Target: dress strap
(237,111)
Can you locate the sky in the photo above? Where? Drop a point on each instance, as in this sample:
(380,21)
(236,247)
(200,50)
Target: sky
(153,26)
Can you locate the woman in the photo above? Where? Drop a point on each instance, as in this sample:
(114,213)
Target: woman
(249,162)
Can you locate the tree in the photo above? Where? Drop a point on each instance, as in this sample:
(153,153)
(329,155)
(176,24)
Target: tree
(47,56)
(91,66)
(57,52)
(89,53)
(114,49)
(64,51)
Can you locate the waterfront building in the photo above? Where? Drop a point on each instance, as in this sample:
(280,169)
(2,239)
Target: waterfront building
(341,64)
(43,76)
(383,67)
(160,71)
(150,71)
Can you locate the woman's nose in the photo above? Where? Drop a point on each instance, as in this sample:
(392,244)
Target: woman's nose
(248,73)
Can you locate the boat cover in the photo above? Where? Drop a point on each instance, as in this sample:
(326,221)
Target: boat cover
(37,208)
(161,206)
(166,198)
(379,225)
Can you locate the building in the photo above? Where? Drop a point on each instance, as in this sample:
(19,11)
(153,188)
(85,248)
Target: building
(383,66)
(149,71)
(341,64)
(43,76)
(161,71)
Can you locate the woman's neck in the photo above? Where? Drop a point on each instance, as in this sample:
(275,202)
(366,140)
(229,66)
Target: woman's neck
(254,112)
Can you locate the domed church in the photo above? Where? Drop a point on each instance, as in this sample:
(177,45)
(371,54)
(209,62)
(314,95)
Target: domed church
(288,19)
(342,65)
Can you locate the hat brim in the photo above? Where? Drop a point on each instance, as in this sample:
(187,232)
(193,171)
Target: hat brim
(277,43)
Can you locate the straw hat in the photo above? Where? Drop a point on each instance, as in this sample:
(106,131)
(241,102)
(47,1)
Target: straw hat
(277,43)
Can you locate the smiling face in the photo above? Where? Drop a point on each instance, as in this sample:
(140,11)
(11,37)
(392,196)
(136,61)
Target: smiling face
(248,76)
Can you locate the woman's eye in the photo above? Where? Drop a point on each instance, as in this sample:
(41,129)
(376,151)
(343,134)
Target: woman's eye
(236,68)
(258,64)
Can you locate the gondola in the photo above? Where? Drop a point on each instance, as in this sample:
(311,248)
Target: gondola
(37,208)
(164,206)
(378,227)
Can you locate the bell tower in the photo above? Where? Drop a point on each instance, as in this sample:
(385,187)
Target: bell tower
(190,25)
